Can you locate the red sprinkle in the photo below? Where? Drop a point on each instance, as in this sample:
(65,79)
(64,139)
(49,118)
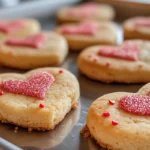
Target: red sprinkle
(115,123)
(107,64)
(41,105)
(136,104)
(1,93)
(111,102)
(95,59)
(35,41)
(8,27)
(35,86)
(106,114)
(60,71)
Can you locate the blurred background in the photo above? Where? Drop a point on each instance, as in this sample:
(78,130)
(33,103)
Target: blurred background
(46,8)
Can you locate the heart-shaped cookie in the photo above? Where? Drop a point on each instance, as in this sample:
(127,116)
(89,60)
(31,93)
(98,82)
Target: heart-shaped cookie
(123,124)
(88,33)
(39,99)
(84,11)
(137,28)
(18,28)
(38,50)
(128,63)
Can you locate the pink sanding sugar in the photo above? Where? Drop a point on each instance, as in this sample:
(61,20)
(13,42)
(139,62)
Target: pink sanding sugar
(142,22)
(35,41)
(136,104)
(128,51)
(85,28)
(35,86)
(12,26)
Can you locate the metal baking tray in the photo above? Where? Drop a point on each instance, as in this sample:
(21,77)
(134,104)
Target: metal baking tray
(66,135)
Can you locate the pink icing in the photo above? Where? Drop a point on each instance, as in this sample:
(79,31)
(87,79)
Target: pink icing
(142,22)
(35,41)
(12,26)
(136,104)
(35,86)
(85,10)
(128,51)
(86,28)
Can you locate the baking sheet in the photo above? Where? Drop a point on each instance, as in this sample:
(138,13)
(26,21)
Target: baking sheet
(66,135)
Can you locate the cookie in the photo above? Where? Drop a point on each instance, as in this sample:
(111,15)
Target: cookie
(84,11)
(18,28)
(121,120)
(38,50)
(137,28)
(39,99)
(87,33)
(127,63)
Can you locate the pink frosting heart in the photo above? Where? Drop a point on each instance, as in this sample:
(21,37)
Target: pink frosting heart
(136,104)
(142,22)
(128,51)
(12,26)
(84,10)
(35,86)
(35,41)
(86,28)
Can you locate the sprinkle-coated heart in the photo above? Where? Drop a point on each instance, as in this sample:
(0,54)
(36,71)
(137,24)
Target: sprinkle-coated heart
(128,51)
(12,26)
(35,41)
(136,104)
(35,86)
(86,28)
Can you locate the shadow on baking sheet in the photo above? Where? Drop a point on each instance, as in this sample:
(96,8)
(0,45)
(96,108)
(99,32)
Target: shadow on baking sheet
(41,140)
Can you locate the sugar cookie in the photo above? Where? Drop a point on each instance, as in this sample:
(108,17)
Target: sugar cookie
(81,12)
(127,63)
(39,99)
(38,50)
(137,28)
(123,124)
(87,33)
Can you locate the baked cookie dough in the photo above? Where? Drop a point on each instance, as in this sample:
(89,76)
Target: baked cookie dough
(121,120)
(39,99)
(127,63)
(38,50)
(137,28)
(87,33)
(84,11)
(18,28)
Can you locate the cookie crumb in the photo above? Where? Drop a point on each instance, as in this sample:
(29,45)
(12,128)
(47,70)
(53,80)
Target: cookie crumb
(85,131)
(16,129)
